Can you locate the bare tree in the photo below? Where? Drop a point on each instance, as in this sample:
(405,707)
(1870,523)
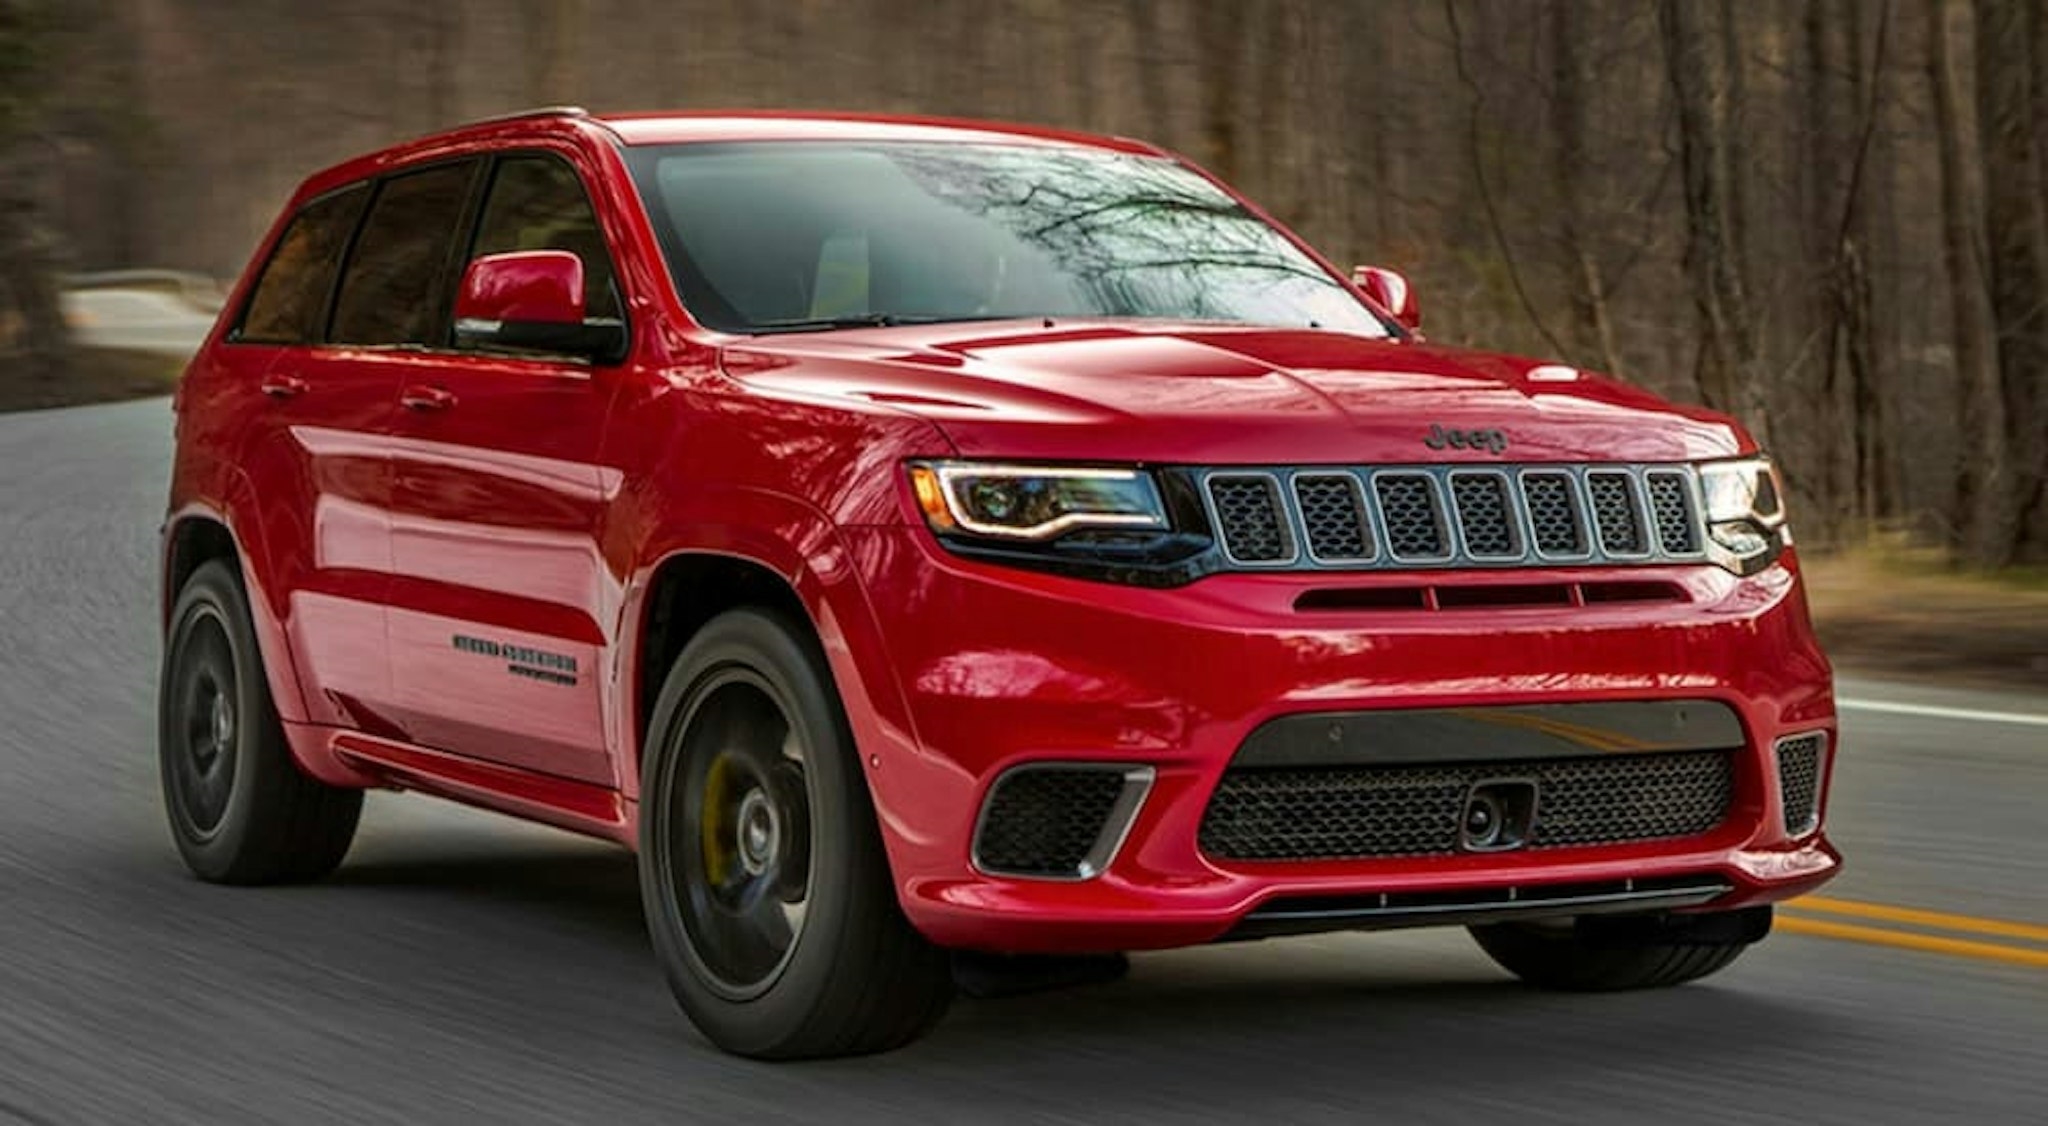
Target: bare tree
(29,297)
(2016,219)
(1703,75)
(1985,472)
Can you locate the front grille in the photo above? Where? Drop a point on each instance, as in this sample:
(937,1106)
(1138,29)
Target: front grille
(1048,821)
(1365,518)
(1799,781)
(1355,812)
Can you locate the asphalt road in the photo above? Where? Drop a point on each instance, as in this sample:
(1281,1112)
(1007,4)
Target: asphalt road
(464,968)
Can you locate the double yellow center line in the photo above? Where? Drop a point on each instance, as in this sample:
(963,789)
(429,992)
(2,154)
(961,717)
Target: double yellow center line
(1913,929)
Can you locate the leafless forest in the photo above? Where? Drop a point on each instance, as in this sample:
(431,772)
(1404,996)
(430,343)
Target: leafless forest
(1829,216)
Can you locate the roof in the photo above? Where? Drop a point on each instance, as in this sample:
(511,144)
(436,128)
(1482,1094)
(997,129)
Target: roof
(772,125)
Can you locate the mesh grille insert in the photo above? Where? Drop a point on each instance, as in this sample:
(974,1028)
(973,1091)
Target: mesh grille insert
(1248,511)
(1483,515)
(1554,514)
(1356,812)
(1408,505)
(1333,514)
(1043,821)
(1671,507)
(1799,782)
(1614,512)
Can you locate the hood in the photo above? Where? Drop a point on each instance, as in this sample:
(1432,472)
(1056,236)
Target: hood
(1222,395)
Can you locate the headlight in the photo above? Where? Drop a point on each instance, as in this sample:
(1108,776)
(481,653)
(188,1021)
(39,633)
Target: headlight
(1745,510)
(1034,503)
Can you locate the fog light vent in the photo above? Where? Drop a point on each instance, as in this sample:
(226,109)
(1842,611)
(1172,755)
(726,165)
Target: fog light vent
(1058,821)
(1799,763)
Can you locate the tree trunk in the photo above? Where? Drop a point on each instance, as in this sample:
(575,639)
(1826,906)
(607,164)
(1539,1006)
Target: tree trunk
(1984,475)
(554,31)
(2016,218)
(1592,325)
(1703,88)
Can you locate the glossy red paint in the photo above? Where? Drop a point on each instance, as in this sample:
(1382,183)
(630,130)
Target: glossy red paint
(542,286)
(404,518)
(1391,292)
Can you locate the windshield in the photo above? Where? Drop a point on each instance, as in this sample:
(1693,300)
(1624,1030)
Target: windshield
(788,236)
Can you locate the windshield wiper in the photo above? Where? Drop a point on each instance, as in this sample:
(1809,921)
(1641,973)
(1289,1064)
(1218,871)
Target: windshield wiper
(857,320)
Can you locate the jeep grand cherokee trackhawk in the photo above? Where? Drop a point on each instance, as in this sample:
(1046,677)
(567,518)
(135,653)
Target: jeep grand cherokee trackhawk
(916,536)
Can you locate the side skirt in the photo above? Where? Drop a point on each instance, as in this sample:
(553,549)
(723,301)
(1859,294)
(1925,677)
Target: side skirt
(580,807)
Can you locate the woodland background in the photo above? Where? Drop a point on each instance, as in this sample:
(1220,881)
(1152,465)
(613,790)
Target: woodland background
(1828,216)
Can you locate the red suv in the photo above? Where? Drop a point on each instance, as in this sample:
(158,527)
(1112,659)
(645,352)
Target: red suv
(917,537)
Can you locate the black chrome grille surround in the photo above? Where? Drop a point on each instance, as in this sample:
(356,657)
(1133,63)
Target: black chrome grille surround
(1346,518)
(1799,770)
(1363,812)
(1057,820)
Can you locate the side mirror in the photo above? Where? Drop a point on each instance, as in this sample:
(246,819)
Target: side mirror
(532,301)
(1392,292)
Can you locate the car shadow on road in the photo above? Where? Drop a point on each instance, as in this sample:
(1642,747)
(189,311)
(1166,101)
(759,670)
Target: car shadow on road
(1223,1030)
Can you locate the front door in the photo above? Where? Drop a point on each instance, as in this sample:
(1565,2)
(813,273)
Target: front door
(495,630)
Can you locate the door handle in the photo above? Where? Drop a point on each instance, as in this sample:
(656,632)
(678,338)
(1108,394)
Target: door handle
(426,398)
(282,386)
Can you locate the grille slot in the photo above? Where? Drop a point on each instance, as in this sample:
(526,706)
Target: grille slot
(1353,812)
(1046,821)
(1484,518)
(1408,505)
(1249,514)
(1799,781)
(1671,508)
(1614,512)
(1333,517)
(1554,515)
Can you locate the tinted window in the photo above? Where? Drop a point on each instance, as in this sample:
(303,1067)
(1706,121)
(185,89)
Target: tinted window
(789,234)
(289,305)
(391,291)
(537,203)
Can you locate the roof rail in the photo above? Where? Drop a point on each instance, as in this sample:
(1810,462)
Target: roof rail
(537,111)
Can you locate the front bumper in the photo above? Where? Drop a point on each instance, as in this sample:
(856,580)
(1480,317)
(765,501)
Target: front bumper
(1000,667)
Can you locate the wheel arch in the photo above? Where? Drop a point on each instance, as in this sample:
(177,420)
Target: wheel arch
(787,557)
(199,533)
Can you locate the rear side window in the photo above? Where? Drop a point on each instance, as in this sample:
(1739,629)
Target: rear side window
(538,203)
(391,291)
(289,305)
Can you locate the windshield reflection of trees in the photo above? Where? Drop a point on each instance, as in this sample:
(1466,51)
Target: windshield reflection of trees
(1136,236)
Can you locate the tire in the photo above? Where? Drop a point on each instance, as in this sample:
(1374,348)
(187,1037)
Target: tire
(1596,954)
(767,894)
(241,811)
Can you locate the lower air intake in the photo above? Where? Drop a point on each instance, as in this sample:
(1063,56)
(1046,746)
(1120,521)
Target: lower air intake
(1355,812)
(1799,781)
(1056,822)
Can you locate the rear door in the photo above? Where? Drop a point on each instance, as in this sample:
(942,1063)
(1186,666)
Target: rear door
(496,635)
(308,456)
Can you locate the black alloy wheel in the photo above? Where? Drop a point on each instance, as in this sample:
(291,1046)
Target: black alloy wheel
(767,894)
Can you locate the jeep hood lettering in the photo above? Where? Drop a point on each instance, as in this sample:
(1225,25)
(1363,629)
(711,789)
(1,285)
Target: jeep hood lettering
(1207,394)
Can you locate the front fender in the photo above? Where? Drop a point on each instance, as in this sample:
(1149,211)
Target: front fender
(799,544)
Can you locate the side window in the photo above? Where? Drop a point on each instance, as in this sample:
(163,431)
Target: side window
(537,203)
(289,304)
(390,291)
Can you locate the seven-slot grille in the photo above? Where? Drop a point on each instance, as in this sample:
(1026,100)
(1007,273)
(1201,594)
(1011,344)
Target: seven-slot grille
(1354,812)
(1455,516)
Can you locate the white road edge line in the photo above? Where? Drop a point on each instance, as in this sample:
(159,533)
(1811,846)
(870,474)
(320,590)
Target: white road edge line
(1930,710)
